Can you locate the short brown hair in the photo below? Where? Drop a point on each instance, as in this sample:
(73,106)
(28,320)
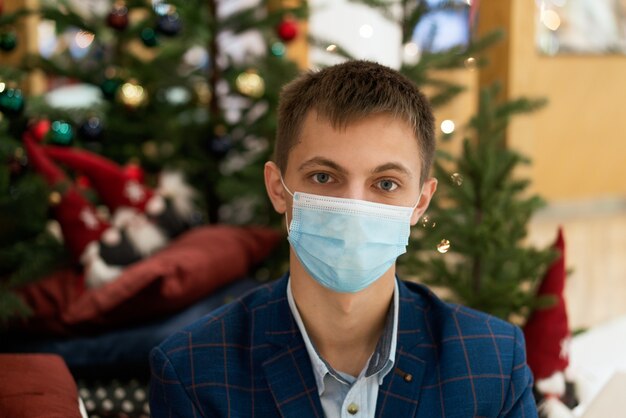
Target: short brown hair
(348,92)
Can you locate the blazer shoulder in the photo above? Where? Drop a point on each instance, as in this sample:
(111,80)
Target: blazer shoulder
(472,319)
(455,318)
(228,323)
(469,356)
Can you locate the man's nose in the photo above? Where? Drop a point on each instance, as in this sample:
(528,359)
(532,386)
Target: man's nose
(355,191)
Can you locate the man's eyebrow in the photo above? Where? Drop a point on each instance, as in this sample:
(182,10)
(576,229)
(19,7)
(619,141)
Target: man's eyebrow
(321,161)
(393,166)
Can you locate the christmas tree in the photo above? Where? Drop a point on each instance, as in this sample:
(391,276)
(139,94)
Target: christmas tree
(172,85)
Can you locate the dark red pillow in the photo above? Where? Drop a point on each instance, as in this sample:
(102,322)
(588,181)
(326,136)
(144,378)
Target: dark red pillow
(37,385)
(189,269)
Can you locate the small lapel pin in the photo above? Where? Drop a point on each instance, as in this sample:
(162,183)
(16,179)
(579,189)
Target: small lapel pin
(408,377)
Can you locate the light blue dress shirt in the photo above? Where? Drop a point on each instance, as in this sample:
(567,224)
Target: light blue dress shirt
(343,395)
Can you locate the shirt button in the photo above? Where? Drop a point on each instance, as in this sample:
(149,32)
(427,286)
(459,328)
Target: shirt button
(353,408)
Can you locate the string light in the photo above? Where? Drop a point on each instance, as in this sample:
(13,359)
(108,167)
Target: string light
(551,19)
(411,48)
(447,126)
(366,31)
(84,39)
(443,246)
(457,179)
(470,63)
(411,53)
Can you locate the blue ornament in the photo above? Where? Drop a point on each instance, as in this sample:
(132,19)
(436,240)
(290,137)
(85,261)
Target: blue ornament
(169,24)
(92,129)
(219,145)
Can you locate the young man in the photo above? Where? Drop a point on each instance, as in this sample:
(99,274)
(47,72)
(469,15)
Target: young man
(339,335)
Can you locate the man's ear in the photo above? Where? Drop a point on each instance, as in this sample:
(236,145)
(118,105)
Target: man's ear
(428,190)
(274,187)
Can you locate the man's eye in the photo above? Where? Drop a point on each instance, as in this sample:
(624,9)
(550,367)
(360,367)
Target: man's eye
(387,185)
(321,178)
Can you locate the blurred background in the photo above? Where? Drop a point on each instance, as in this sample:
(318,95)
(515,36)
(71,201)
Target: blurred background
(133,135)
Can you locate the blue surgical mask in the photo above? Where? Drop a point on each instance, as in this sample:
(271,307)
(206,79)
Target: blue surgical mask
(347,244)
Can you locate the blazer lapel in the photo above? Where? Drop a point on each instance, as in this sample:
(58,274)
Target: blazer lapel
(288,371)
(399,394)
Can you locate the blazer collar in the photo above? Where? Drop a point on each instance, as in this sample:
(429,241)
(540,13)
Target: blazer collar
(288,370)
(399,394)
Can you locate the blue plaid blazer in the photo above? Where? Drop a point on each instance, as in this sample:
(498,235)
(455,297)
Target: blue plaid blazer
(248,359)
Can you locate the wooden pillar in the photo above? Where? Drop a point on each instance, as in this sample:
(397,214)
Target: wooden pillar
(13,57)
(26,31)
(496,15)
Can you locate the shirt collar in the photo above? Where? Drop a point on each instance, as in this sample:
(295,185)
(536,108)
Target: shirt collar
(380,363)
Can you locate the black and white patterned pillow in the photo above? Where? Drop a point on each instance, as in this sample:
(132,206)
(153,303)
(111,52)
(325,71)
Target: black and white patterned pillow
(115,398)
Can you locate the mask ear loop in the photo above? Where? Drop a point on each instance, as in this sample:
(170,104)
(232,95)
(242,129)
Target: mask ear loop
(418,200)
(288,191)
(285,186)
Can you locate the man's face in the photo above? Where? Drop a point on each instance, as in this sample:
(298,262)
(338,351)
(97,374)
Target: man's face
(375,159)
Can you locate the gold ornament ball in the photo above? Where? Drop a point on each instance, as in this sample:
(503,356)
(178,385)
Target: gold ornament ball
(250,84)
(54,198)
(132,95)
(203,92)
(150,149)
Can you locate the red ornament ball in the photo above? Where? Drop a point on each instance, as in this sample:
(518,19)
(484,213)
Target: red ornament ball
(287,30)
(118,17)
(40,129)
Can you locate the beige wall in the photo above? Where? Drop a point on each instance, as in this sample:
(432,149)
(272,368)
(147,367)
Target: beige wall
(27,43)
(577,145)
(578,149)
(578,142)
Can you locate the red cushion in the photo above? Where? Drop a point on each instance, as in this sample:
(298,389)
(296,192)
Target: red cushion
(190,268)
(37,385)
